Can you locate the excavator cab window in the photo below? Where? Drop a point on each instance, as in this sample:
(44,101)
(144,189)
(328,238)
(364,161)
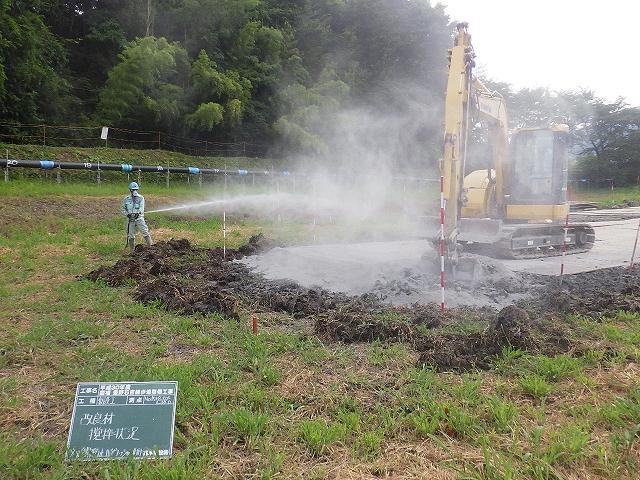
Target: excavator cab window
(539,167)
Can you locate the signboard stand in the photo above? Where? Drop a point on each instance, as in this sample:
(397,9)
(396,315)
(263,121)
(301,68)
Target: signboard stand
(121,420)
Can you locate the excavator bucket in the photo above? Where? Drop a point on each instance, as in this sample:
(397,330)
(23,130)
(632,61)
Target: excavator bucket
(480,230)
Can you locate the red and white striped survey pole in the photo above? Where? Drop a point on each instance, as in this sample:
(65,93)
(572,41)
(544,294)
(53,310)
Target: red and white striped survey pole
(442,209)
(224,215)
(566,234)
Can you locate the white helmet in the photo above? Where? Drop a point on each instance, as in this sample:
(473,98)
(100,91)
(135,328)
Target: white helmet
(133,186)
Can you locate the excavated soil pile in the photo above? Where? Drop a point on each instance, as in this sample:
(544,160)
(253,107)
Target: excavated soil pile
(189,280)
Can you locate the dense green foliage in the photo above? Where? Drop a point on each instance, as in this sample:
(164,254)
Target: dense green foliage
(220,70)
(355,83)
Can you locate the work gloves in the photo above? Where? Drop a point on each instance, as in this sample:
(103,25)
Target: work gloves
(133,216)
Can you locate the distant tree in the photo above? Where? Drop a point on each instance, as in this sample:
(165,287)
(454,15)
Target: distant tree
(245,40)
(33,87)
(610,142)
(305,109)
(264,79)
(257,56)
(219,97)
(133,16)
(145,90)
(394,43)
(209,25)
(392,57)
(536,107)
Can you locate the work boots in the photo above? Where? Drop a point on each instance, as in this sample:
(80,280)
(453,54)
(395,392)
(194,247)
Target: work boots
(132,242)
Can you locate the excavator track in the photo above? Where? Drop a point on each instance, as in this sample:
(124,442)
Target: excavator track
(539,241)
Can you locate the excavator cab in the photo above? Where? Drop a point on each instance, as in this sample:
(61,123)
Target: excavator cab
(538,174)
(539,168)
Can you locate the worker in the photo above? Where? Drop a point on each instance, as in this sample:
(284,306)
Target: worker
(133,209)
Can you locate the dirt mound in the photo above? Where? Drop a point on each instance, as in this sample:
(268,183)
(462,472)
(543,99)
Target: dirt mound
(194,280)
(512,328)
(258,244)
(360,321)
(189,279)
(188,296)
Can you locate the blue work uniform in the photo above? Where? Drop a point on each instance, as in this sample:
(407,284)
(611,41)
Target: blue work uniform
(133,209)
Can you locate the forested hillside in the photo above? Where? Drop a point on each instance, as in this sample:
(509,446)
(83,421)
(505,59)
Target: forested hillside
(270,71)
(354,84)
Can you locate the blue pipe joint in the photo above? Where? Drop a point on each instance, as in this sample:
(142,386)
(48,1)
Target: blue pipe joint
(126,167)
(47,164)
(242,172)
(194,170)
(286,174)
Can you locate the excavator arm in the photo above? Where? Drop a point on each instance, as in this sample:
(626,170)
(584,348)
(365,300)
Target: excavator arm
(490,107)
(456,127)
(466,101)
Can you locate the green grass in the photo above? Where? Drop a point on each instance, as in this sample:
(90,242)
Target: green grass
(282,403)
(606,197)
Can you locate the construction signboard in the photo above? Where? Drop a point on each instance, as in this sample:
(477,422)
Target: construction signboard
(120,420)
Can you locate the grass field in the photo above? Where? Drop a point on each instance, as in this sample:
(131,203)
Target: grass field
(282,403)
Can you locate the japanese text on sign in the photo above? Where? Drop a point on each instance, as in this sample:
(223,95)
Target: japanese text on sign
(122,420)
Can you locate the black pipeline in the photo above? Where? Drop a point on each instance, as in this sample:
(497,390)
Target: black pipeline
(124,167)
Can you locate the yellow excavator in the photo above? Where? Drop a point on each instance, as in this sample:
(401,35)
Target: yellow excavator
(518,205)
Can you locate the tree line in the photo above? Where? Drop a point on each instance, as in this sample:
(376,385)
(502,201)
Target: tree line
(351,84)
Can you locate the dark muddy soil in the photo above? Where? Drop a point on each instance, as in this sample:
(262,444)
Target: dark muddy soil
(189,280)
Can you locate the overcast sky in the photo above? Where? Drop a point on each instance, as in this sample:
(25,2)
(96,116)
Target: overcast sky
(559,44)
